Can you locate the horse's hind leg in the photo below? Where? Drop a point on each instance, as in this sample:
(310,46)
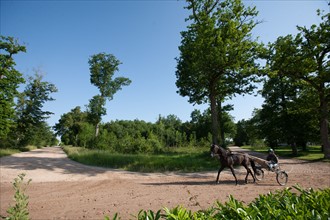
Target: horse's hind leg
(221,168)
(233,172)
(247,174)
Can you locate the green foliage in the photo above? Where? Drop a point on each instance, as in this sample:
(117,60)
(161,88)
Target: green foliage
(150,215)
(290,203)
(304,58)
(289,114)
(8,151)
(217,54)
(285,204)
(22,119)
(74,129)
(95,109)
(19,211)
(124,136)
(241,137)
(10,79)
(183,160)
(31,119)
(102,68)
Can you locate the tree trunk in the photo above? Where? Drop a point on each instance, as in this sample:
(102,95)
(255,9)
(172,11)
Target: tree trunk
(222,131)
(214,117)
(97,129)
(324,125)
(294,149)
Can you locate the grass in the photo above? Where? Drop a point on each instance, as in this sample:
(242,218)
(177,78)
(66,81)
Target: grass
(313,153)
(190,160)
(175,159)
(9,151)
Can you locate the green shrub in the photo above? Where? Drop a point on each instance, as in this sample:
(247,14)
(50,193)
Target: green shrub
(19,211)
(285,204)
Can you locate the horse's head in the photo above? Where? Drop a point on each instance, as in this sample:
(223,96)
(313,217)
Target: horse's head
(214,150)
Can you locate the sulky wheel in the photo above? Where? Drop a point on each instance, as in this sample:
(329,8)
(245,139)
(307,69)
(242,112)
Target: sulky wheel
(259,175)
(282,177)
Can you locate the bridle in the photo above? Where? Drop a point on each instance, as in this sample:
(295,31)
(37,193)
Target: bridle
(215,150)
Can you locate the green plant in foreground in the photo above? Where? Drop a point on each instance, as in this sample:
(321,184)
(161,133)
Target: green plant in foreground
(19,211)
(290,203)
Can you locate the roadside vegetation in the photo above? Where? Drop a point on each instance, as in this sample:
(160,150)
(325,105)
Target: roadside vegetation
(10,151)
(19,210)
(293,203)
(180,160)
(290,203)
(295,111)
(184,159)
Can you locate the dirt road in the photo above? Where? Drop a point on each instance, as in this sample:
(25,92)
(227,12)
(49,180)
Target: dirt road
(64,189)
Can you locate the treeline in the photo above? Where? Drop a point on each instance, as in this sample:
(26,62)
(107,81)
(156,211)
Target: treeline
(22,118)
(219,58)
(139,136)
(296,89)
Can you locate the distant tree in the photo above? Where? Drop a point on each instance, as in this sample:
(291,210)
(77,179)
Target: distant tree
(217,54)
(95,111)
(241,138)
(10,79)
(305,58)
(102,68)
(200,123)
(71,125)
(30,113)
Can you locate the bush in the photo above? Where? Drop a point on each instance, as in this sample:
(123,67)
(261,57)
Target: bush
(19,211)
(285,204)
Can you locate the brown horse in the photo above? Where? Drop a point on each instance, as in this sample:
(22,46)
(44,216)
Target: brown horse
(227,159)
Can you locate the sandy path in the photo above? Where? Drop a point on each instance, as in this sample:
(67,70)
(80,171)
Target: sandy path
(64,189)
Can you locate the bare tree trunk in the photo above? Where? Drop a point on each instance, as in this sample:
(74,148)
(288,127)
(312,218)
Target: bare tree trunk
(222,131)
(214,117)
(324,125)
(97,129)
(294,149)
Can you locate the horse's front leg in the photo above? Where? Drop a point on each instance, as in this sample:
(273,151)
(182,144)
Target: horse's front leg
(233,172)
(221,169)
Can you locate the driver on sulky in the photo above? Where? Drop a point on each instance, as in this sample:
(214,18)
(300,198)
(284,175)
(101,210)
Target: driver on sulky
(272,159)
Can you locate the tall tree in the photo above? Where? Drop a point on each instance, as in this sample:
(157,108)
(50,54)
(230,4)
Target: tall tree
(10,79)
(95,111)
(217,54)
(288,113)
(102,68)
(306,57)
(30,107)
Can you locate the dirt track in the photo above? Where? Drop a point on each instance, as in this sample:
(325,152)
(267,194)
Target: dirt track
(64,189)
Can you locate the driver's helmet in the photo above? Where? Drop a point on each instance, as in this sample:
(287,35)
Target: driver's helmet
(270,150)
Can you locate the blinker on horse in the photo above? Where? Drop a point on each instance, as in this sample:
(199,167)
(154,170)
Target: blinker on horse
(227,159)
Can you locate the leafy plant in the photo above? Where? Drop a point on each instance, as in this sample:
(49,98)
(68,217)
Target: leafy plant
(149,215)
(290,203)
(19,211)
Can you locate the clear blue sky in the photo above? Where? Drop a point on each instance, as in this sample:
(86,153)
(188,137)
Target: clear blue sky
(60,36)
